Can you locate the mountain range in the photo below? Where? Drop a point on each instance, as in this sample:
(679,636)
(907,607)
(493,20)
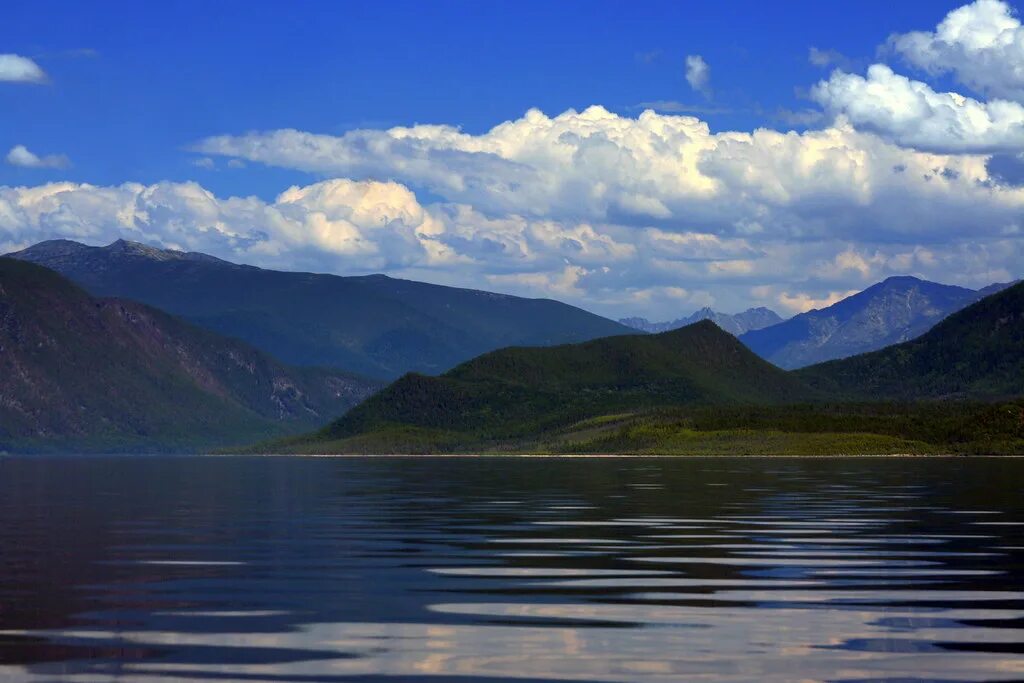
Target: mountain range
(85,373)
(510,394)
(893,311)
(372,325)
(96,364)
(735,323)
(975,353)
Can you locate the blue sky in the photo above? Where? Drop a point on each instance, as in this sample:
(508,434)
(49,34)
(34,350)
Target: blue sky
(157,77)
(163,95)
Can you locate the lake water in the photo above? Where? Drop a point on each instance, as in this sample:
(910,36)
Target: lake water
(459,569)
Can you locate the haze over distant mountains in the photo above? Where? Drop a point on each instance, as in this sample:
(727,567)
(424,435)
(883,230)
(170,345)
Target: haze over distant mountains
(893,311)
(735,324)
(373,325)
(82,373)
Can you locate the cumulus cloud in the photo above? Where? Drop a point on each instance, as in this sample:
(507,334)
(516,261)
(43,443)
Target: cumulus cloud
(606,210)
(912,113)
(666,171)
(353,227)
(21,156)
(698,74)
(651,214)
(981,44)
(18,69)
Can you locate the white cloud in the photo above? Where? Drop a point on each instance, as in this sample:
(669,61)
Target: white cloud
(354,227)
(667,171)
(981,44)
(652,214)
(912,113)
(698,74)
(18,69)
(205,163)
(802,302)
(21,156)
(605,208)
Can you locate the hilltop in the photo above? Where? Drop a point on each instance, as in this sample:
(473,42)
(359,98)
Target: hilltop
(525,392)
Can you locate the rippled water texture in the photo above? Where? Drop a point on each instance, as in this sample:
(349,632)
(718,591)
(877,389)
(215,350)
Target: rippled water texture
(598,569)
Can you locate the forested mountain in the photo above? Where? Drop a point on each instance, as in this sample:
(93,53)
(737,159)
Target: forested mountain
(975,353)
(698,390)
(521,391)
(373,325)
(82,373)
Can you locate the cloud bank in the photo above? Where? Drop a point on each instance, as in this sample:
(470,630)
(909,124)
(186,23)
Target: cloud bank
(669,172)
(652,214)
(354,227)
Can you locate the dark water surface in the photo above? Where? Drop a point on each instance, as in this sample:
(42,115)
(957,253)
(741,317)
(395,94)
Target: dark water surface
(443,569)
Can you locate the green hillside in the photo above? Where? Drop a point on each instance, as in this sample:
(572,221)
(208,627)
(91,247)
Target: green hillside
(79,373)
(521,393)
(975,353)
(698,390)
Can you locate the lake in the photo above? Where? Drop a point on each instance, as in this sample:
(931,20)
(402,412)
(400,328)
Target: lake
(485,569)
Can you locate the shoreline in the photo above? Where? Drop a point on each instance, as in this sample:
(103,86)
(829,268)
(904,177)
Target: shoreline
(535,456)
(601,455)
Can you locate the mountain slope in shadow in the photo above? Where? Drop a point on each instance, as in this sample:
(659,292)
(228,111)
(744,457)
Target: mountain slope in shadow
(373,325)
(82,373)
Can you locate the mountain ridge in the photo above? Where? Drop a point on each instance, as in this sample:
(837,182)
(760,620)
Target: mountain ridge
(977,352)
(373,325)
(894,310)
(91,373)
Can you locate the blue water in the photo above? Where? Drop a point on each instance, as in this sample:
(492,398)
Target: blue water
(553,569)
